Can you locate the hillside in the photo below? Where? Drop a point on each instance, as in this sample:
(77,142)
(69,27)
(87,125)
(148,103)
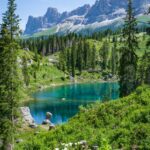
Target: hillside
(45,70)
(35,74)
(120,124)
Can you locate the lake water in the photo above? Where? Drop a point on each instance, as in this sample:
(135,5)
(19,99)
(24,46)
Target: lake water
(64,101)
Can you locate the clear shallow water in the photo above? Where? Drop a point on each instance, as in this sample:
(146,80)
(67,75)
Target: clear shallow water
(51,100)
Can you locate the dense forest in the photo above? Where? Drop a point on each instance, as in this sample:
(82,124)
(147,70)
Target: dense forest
(122,55)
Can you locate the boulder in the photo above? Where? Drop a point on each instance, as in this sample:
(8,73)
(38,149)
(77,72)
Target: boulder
(46,121)
(26,114)
(48,115)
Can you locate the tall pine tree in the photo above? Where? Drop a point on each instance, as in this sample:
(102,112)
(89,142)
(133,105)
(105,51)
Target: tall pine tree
(128,60)
(9,84)
(114,59)
(104,52)
(73,60)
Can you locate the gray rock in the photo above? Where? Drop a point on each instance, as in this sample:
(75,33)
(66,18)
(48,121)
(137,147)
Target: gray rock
(26,114)
(48,115)
(46,121)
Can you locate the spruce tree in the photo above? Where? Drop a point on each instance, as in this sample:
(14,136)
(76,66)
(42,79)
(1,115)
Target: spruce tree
(80,57)
(93,59)
(68,61)
(114,59)
(104,51)
(62,60)
(86,53)
(73,59)
(10,25)
(144,69)
(9,84)
(128,60)
(25,71)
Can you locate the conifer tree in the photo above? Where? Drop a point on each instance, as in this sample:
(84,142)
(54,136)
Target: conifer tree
(104,51)
(62,60)
(9,84)
(80,57)
(68,61)
(114,59)
(85,54)
(93,59)
(25,71)
(128,60)
(144,69)
(10,25)
(73,60)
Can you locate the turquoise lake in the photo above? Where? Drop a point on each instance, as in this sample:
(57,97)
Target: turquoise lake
(64,101)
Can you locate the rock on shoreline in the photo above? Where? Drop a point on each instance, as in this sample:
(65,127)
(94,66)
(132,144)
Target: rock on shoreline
(27,117)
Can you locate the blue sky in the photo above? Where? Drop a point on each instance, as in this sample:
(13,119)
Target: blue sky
(39,7)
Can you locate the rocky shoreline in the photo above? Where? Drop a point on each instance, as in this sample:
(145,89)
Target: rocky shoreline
(28,120)
(27,117)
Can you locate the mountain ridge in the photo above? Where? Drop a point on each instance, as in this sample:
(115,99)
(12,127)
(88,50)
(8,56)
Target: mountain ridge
(85,15)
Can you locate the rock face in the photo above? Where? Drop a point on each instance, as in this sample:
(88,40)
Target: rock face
(27,118)
(53,17)
(101,11)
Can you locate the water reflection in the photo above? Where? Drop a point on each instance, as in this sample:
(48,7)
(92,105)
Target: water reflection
(64,101)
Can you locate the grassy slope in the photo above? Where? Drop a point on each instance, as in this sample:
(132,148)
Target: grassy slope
(46,74)
(123,123)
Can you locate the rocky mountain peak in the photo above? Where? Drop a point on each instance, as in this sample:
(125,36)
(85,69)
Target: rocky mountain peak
(102,10)
(80,11)
(52,15)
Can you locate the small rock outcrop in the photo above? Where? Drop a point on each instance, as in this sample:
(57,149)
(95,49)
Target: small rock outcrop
(48,118)
(46,121)
(27,117)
